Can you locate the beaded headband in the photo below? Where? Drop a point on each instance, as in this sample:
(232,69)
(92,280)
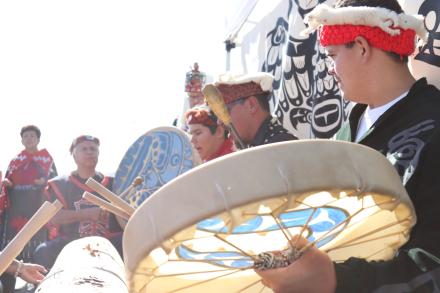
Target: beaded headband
(82,138)
(236,86)
(200,116)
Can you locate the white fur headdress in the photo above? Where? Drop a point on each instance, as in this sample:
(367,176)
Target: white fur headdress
(264,79)
(387,20)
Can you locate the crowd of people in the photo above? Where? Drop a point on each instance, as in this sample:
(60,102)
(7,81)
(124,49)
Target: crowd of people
(395,114)
(31,177)
(29,181)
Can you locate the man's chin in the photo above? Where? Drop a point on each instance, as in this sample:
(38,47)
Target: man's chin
(92,165)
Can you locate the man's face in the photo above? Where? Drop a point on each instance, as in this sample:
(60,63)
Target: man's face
(29,139)
(240,118)
(205,142)
(86,154)
(346,69)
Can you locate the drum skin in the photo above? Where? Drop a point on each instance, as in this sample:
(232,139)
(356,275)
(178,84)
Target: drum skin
(202,231)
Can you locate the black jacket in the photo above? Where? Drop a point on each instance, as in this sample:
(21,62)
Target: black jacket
(271,131)
(408,134)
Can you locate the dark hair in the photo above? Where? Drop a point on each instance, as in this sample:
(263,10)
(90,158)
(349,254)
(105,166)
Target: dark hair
(30,128)
(213,128)
(205,116)
(263,100)
(389,4)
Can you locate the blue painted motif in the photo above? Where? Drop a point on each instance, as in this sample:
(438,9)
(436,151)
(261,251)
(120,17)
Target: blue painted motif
(323,220)
(227,259)
(158,157)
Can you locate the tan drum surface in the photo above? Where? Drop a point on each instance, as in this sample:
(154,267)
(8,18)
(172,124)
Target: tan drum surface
(202,231)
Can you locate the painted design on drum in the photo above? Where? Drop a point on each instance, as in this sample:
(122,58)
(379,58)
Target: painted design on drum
(227,259)
(320,221)
(157,157)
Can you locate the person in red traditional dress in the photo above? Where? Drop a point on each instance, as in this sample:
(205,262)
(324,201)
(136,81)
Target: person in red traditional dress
(208,136)
(22,190)
(22,194)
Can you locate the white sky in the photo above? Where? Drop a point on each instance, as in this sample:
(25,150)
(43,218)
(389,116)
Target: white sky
(113,69)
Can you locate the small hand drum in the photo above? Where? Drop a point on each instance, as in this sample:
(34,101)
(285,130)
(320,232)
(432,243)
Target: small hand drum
(158,156)
(204,231)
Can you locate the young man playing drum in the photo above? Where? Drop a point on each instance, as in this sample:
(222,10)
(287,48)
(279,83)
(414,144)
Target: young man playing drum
(396,115)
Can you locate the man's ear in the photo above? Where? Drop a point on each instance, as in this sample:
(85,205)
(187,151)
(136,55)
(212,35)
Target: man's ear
(363,46)
(220,131)
(252,104)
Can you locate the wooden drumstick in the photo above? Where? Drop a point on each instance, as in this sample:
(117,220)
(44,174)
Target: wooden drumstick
(110,196)
(136,182)
(38,220)
(217,104)
(105,205)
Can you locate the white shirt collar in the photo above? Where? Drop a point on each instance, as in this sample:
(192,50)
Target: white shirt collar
(370,116)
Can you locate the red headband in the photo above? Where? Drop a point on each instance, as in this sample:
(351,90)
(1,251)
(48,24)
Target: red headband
(200,116)
(82,138)
(401,44)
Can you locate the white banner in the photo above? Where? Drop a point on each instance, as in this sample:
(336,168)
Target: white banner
(426,62)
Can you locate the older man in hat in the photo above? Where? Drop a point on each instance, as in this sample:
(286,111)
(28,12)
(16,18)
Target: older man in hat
(79,218)
(247,100)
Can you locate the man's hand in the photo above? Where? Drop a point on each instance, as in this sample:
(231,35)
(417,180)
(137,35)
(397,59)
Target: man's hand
(312,272)
(32,273)
(92,214)
(72,216)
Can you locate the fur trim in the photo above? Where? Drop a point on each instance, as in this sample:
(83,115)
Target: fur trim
(387,20)
(264,79)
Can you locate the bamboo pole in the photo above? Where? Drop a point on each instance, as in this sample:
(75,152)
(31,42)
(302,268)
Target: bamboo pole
(110,196)
(105,205)
(38,220)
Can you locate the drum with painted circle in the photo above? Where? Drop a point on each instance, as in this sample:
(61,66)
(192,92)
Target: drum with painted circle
(158,156)
(203,231)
